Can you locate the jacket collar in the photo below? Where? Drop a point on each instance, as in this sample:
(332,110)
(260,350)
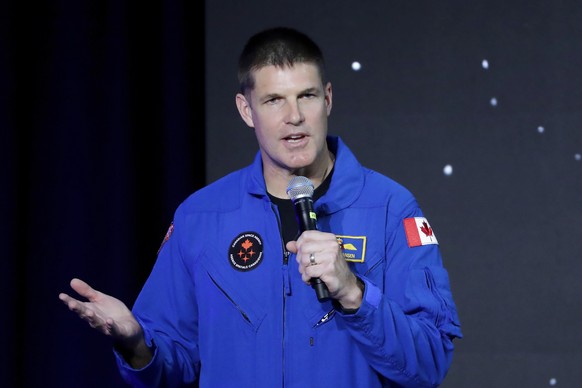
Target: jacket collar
(346,184)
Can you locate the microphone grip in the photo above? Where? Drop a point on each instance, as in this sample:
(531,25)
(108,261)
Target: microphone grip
(306,219)
(320,289)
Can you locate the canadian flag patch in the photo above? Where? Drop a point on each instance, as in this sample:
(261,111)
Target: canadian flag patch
(419,232)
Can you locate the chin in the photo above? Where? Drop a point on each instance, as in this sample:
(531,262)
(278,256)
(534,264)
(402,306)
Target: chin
(301,163)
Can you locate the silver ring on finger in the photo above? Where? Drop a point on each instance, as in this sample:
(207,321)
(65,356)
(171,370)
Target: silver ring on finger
(312,259)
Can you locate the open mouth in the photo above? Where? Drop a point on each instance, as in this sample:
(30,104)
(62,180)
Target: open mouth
(294,138)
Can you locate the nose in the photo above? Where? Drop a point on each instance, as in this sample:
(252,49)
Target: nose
(294,114)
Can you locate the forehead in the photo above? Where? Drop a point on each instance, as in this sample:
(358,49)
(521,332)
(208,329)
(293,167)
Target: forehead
(273,79)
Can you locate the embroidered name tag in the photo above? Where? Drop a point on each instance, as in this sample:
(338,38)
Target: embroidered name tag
(354,247)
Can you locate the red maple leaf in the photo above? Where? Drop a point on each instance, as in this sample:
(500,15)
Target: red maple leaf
(427,230)
(247,244)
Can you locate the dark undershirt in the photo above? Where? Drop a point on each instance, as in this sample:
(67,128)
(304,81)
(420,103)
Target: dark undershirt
(289,228)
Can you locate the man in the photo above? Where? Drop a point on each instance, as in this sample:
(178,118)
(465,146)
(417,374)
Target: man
(227,303)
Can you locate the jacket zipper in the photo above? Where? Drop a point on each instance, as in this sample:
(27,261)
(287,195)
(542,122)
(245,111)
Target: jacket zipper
(285,288)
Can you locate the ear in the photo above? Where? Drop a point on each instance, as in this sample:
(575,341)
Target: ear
(328,97)
(244,109)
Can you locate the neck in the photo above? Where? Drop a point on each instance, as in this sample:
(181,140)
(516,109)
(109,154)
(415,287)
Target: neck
(277,182)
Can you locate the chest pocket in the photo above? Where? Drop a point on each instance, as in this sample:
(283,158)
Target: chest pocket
(362,233)
(225,297)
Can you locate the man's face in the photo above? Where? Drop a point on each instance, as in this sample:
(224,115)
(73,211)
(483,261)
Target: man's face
(288,108)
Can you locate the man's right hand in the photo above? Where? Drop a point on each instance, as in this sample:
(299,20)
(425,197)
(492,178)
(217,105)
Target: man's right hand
(111,317)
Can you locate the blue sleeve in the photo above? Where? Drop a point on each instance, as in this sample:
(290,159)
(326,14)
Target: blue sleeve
(406,325)
(166,308)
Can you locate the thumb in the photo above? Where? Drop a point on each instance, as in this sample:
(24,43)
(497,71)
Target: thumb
(292,246)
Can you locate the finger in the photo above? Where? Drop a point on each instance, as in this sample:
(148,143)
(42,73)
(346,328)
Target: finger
(325,243)
(69,301)
(64,297)
(313,271)
(95,321)
(305,277)
(77,307)
(83,289)
(304,259)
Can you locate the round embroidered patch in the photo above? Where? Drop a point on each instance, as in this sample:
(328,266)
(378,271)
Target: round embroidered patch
(246,251)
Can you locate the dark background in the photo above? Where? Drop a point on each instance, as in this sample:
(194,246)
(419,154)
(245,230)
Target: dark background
(112,112)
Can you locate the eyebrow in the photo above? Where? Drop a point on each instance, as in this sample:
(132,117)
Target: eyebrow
(311,90)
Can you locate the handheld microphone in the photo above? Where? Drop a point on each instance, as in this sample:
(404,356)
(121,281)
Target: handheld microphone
(300,190)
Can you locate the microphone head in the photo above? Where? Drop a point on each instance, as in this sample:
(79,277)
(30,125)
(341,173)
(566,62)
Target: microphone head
(300,187)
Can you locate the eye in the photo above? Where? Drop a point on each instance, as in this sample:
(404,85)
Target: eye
(273,101)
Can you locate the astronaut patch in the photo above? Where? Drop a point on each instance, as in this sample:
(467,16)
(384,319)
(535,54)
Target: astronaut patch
(419,232)
(246,251)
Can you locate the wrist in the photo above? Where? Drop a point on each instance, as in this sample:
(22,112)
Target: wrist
(135,350)
(353,300)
